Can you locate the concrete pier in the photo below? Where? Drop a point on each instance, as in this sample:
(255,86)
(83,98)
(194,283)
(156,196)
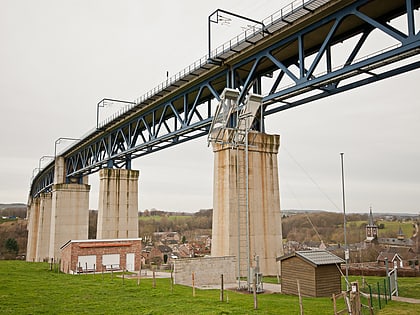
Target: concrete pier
(230,234)
(69,210)
(69,215)
(118,204)
(33,219)
(44,227)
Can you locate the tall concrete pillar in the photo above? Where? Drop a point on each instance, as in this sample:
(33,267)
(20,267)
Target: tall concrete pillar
(69,210)
(230,220)
(44,227)
(118,204)
(33,219)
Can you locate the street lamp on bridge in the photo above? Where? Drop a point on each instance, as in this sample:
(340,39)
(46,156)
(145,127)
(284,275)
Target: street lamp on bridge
(58,141)
(43,158)
(217,17)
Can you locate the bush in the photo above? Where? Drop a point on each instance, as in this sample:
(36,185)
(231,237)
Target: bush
(12,245)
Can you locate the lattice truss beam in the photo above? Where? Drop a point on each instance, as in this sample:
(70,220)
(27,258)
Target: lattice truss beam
(179,119)
(353,45)
(330,56)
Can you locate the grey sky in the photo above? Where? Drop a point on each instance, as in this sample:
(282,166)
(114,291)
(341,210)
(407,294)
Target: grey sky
(59,58)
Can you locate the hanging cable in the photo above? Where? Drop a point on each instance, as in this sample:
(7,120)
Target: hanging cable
(310,177)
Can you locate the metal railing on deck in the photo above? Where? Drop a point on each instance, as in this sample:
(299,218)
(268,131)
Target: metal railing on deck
(287,13)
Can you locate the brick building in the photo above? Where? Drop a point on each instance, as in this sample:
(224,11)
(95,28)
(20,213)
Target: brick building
(100,255)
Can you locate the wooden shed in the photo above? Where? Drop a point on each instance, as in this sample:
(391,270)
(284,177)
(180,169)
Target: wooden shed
(318,272)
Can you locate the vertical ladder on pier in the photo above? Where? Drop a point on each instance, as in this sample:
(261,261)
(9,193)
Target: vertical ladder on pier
(243,213)
(231,125)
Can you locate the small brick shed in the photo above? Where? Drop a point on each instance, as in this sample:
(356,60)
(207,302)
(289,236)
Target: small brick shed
(318,272)
(100,255)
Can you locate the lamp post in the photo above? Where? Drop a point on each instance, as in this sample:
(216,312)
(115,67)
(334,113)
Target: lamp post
(218,17)
(36,169)
(43,158)
(346,250)
(59,141)
(108,101)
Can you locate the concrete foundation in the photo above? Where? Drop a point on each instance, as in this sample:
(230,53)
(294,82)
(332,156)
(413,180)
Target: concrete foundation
(44,227)
(118,204)
(33,219)
(230,235)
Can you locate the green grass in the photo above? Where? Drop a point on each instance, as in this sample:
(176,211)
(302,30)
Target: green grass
(390,227)
(31,288)
(408,286)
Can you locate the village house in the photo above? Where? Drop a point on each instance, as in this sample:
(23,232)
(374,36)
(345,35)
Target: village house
(393,259)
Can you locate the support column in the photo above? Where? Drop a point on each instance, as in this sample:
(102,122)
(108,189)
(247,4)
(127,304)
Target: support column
(70,210)
(33,219)
(229,206)
(44,227)
(118,204)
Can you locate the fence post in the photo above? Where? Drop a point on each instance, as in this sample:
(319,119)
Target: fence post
(172,279)
(379,295)
(255,292)
(193,283)
(123,275)
(385,292)
(221,287)
(138,276)
(300,298)
(370,305)
(370,294)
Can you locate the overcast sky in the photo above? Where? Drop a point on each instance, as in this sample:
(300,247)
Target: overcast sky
(59,58)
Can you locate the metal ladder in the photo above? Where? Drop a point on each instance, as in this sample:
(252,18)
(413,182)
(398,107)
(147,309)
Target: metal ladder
(231,125)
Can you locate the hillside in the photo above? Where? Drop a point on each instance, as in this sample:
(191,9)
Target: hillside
(15,229)
(298,225)
(13,210)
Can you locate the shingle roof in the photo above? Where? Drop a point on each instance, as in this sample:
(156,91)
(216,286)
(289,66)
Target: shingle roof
(316,257)
(320,257)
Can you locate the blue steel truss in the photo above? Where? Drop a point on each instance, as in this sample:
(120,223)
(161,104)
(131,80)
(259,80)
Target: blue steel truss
(300,41)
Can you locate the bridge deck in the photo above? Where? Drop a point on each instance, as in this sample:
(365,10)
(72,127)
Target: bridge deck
(301,24)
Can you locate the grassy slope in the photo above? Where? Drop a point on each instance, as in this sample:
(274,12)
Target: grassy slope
(30,288)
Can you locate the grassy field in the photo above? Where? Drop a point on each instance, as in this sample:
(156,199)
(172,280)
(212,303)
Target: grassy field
(390,227)
(31,288)
(408,286)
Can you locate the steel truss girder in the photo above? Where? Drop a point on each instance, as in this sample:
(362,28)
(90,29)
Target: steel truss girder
(332,80)
(44,183)
(157,128)
(184,116)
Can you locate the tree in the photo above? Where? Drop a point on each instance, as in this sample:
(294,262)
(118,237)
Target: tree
(12,245)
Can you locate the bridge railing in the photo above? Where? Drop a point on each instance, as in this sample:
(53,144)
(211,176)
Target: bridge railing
(288,11)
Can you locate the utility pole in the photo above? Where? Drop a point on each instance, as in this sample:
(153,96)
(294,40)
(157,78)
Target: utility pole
(346,250)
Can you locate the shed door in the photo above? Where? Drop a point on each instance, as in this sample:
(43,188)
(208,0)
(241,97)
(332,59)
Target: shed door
(130,262)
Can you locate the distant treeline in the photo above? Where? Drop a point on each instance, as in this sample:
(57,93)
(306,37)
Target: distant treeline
(325,226)
(13,210)
(151,221)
